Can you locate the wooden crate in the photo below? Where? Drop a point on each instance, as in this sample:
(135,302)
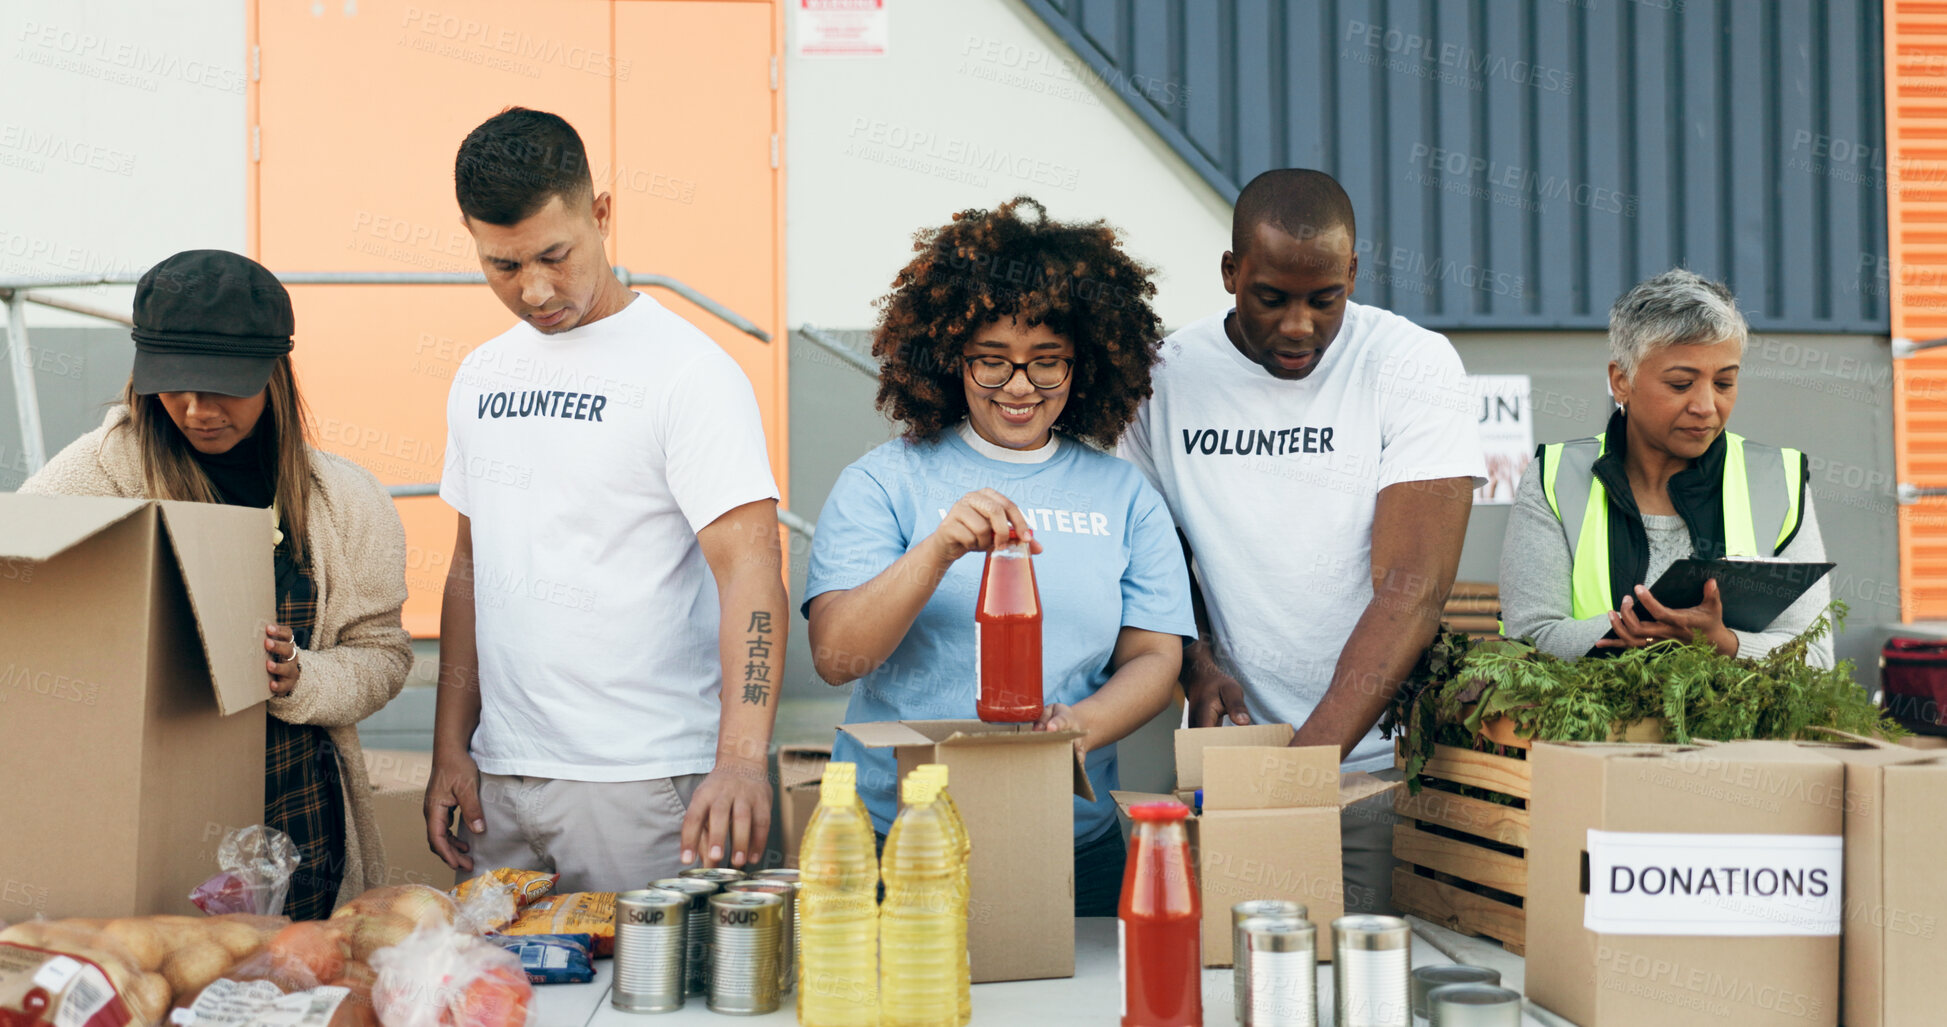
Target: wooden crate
(1463,861)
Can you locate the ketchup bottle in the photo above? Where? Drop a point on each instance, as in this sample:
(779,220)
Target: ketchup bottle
(1007,636)
(1157,923)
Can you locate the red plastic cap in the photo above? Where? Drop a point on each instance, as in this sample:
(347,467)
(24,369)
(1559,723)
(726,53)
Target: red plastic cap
(1158,812)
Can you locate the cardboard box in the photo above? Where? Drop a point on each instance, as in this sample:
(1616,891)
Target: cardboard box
(1269,827)
(131,689)
(1015,790)
(398,807)
(1685,885)
(800,770)
(1895,895)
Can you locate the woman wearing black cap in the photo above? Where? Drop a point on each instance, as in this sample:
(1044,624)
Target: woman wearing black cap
(212,414)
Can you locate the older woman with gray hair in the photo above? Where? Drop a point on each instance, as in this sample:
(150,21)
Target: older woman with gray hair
(1597,519)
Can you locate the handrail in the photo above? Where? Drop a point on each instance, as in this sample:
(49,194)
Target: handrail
(830,344)
(431,488)
(18,290)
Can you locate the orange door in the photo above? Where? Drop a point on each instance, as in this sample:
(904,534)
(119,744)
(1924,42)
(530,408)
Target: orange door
(361,107)
(1916,223)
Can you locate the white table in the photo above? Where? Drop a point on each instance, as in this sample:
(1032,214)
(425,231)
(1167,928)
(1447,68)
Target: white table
(1089,997)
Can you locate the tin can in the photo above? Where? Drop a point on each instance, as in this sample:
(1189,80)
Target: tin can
(1239,959)
(651,954)
(1473,1005)
(777,874)
(747,928)
(1281,985)
(1372,972)
(787,942)
(1427,978)
(793,875)
(697,956)
(718,876)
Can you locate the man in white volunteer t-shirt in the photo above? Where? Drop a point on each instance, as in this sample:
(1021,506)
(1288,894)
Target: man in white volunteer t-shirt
(1319,457)
(612,636)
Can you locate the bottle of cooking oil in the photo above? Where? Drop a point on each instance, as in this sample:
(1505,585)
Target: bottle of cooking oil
(963,846)
(838,976)
(922,926)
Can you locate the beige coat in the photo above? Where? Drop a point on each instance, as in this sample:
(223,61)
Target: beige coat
(359,654)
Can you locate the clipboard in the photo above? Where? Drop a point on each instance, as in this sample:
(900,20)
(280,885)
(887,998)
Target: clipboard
(1754,591)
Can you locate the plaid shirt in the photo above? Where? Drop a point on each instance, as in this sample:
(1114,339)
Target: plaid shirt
(303,792)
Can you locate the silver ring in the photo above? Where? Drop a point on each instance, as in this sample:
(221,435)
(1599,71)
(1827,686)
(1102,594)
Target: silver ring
(293,658)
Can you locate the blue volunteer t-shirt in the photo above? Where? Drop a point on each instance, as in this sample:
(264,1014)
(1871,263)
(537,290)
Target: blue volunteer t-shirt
(1110,559)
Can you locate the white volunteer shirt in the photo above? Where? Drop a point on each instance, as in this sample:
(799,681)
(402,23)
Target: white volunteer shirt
(587,462)
(1274,482)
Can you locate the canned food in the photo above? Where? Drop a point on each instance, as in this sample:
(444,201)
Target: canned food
(788,937)
(719,876)
(651,957)
(777,874)
(1239,959)
(697,955)
(1281,986)
(1371,972)
(747,928)
(1427,978)
(1473,1005)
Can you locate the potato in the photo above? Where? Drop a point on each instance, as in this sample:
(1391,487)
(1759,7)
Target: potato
(238,939)
(371,933)
(28,932)
(317,945)
(141,938)
(193,967)
(148,998)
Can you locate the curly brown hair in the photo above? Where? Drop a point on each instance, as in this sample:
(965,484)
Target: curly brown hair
(986,266)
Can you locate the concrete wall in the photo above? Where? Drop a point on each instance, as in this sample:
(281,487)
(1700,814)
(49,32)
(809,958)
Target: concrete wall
(976,102)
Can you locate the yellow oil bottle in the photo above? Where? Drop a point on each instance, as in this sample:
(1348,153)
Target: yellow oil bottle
(838,976)
(957,827)
(922,925)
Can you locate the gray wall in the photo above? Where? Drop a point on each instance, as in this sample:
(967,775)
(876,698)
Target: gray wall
(1560,151)
(79,372)
(1829,395)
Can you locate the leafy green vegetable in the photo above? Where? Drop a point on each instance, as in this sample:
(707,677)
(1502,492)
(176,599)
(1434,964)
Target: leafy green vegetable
(1459,685)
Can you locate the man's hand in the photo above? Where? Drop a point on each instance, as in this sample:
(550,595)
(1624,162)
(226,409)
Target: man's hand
(1212,695)
(1706,618)
(455,784)
(731,807)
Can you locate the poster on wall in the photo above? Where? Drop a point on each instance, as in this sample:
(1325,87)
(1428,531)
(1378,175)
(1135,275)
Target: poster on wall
(842,28)
(1507,431)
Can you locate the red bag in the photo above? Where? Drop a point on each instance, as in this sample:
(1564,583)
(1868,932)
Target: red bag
(1913,683)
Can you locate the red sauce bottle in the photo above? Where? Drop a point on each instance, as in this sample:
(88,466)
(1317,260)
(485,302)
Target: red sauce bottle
(1007,636)
(1157,922)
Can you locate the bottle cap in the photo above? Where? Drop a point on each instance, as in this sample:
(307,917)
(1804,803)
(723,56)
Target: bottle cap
(918,789)
(937,770)
(1158,812)
(840,784)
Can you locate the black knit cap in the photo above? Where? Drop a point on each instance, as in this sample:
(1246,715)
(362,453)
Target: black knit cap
(209,321)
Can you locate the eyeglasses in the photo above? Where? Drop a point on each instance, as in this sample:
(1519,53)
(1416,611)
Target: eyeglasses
(1043,372)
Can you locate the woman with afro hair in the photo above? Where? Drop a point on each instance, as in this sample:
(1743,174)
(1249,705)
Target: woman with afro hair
(1014,350)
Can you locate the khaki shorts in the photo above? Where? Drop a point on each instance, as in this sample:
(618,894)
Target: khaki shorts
(598,835)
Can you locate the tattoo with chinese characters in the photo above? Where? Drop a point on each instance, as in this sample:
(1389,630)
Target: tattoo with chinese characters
(757,668)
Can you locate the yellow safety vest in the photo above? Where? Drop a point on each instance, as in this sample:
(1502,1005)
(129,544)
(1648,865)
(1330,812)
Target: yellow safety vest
(1762,486)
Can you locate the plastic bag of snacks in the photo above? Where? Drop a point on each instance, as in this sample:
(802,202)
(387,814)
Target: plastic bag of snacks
(439,977)
(527,885)
(552,958)
(587,912)
(257,864)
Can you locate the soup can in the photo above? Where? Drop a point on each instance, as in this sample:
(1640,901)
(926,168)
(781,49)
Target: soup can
(697,956)
(1240,959)
(1281,987)
(1473,1005)
(651,957)
(1372,971)
(787,947)
(1427,978)
(746,929)
(718,876)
